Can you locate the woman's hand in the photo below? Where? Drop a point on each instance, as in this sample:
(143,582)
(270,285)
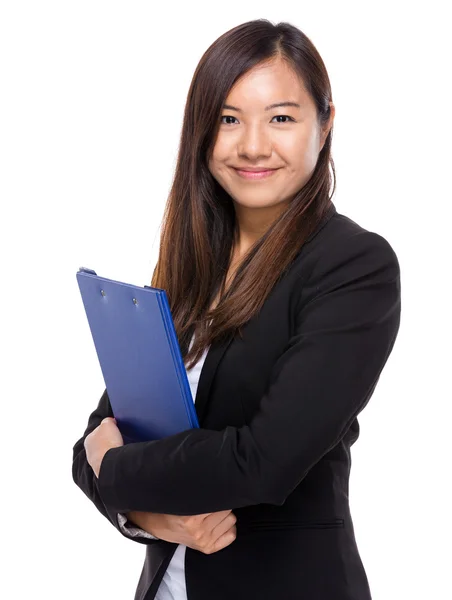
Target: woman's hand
(105,436)
(208,533)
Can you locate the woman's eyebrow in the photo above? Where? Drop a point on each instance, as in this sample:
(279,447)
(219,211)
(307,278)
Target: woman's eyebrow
(269,107)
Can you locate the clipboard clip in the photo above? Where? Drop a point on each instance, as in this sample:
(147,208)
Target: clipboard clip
(86,270)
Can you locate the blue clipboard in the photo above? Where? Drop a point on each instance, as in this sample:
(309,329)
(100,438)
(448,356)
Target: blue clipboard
(140,358)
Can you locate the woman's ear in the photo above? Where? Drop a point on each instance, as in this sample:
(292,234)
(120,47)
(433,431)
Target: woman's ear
(326,128)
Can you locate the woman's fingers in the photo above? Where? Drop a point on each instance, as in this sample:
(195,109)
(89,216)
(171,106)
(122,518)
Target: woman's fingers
(225,540)
(222,525)
(215,532)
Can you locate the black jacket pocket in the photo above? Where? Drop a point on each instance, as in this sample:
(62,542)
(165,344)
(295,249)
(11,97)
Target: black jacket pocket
(290,524)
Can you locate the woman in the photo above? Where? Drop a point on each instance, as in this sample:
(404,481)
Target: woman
(286,313)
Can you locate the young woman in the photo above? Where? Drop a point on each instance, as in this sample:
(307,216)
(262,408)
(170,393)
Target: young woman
(286,313)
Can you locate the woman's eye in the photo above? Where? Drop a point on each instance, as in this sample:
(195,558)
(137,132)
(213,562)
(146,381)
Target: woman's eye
(277,117)
(227,117)
(285,117)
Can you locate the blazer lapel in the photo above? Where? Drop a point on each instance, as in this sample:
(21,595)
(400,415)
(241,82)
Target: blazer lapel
(218,348)
(209,368)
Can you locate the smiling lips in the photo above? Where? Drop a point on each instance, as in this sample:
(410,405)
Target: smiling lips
(257,174)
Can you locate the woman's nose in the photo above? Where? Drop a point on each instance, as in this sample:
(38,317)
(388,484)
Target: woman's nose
(254,143)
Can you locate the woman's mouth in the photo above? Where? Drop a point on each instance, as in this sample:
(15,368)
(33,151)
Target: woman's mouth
(255,174)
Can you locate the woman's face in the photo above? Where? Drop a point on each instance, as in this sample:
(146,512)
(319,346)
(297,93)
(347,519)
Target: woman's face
(287,139)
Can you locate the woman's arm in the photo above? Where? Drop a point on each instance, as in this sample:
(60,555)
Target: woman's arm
(84,476)
(346,325)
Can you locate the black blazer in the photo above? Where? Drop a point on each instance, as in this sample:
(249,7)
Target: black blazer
(278,414)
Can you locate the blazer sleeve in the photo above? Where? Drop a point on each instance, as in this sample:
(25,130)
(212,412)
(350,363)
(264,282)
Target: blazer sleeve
(346,323)
(83,475)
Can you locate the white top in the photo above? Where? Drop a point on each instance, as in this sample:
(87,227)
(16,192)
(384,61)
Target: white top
(172,586)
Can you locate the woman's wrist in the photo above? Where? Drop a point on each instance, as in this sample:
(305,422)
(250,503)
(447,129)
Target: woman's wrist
(132,517)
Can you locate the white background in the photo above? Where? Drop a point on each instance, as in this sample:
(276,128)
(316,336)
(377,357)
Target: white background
(92,97)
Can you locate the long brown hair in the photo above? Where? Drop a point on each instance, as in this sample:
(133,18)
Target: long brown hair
(199,224)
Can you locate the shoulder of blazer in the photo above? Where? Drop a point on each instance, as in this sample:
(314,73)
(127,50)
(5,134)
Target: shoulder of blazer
(337,231)
(339,251)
